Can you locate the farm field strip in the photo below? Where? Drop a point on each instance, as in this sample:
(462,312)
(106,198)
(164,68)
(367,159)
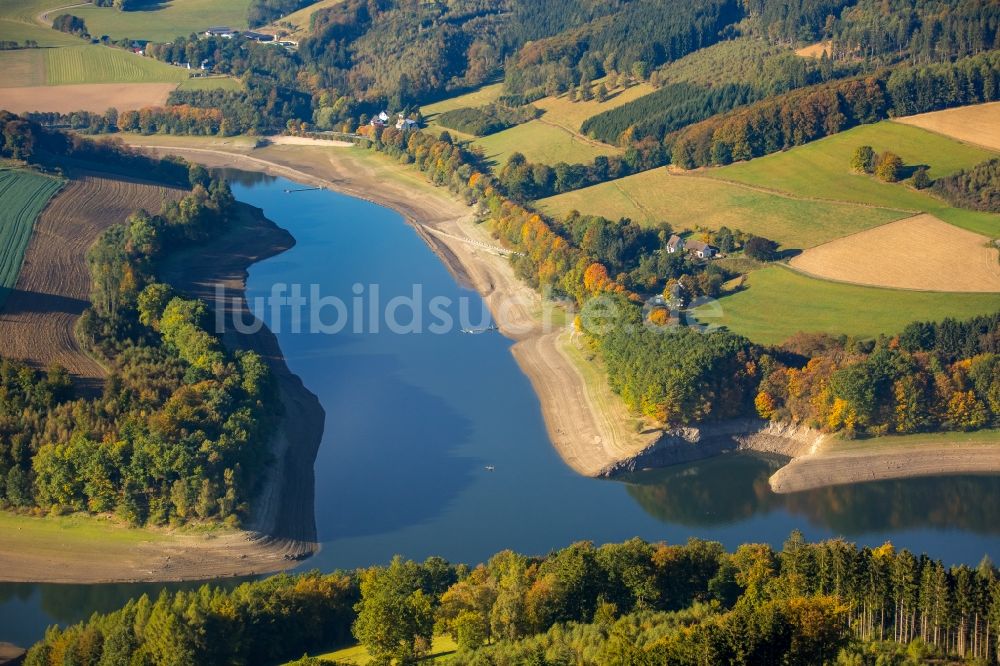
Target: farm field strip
(24,67)
(93,97)
(102,64)
(978,124)
(25,195)
(164,22)
(53,286)
(918,252)
(690,201)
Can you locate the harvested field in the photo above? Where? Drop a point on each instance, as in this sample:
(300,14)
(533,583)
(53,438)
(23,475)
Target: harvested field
(36,323)
(814,50)
(95,97)
(978,124)
(919,252)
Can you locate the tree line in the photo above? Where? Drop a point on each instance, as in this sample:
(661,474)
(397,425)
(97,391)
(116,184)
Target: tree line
(625,603)
(931,376)
(978,188)
(811,113)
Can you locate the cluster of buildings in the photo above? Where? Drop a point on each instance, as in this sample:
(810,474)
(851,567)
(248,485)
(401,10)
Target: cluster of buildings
(402,122)
(696,247)
(261,37)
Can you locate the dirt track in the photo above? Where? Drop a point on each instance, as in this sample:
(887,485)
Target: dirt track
(52,290)
(588,425)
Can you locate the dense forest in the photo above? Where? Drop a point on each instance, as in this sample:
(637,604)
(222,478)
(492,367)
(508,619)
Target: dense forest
(180,430)
(627,603)
(978,188)
(932,376)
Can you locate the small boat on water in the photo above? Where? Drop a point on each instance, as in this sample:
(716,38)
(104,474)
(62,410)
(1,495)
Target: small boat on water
(490,468)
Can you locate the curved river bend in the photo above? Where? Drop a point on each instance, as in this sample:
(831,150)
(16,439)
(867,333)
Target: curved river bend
(413,420)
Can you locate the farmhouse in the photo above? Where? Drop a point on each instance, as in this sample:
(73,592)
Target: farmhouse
(380,120)
(220,31)
(405,124)
(702,250)
(258,36)
(675,244)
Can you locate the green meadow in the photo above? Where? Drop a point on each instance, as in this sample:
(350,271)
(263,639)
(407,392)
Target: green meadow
(164,21)
(822,169)
(689,202)
(777,302)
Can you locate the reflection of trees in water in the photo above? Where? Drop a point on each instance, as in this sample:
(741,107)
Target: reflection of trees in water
(733,488)
(241,177)
(954,502)
(67,604)
(717,491)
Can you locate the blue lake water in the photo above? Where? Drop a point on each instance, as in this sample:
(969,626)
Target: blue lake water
(412,421)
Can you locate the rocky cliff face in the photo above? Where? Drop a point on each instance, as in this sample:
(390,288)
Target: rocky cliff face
(684,445)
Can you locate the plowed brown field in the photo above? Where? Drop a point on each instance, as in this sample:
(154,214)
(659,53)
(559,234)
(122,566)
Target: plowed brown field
(37,321)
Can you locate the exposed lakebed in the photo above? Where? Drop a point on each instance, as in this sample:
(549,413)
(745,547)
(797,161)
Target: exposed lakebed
(413,420)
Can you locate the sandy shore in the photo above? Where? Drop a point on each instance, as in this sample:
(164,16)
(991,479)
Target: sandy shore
(841,464)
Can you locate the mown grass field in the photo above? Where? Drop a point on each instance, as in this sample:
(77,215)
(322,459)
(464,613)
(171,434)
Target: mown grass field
(211,83)
(778,302)
(987,436)
(553,138)
(25,67)
(688,202)
(19,22)
(822,169)
(541,142)
(102,64)
(442,646)
(58,532)
(24,195)
(163,21)
(571,115)
(296,23)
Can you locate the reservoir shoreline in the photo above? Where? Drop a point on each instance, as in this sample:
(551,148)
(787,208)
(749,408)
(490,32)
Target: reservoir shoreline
(587,423)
